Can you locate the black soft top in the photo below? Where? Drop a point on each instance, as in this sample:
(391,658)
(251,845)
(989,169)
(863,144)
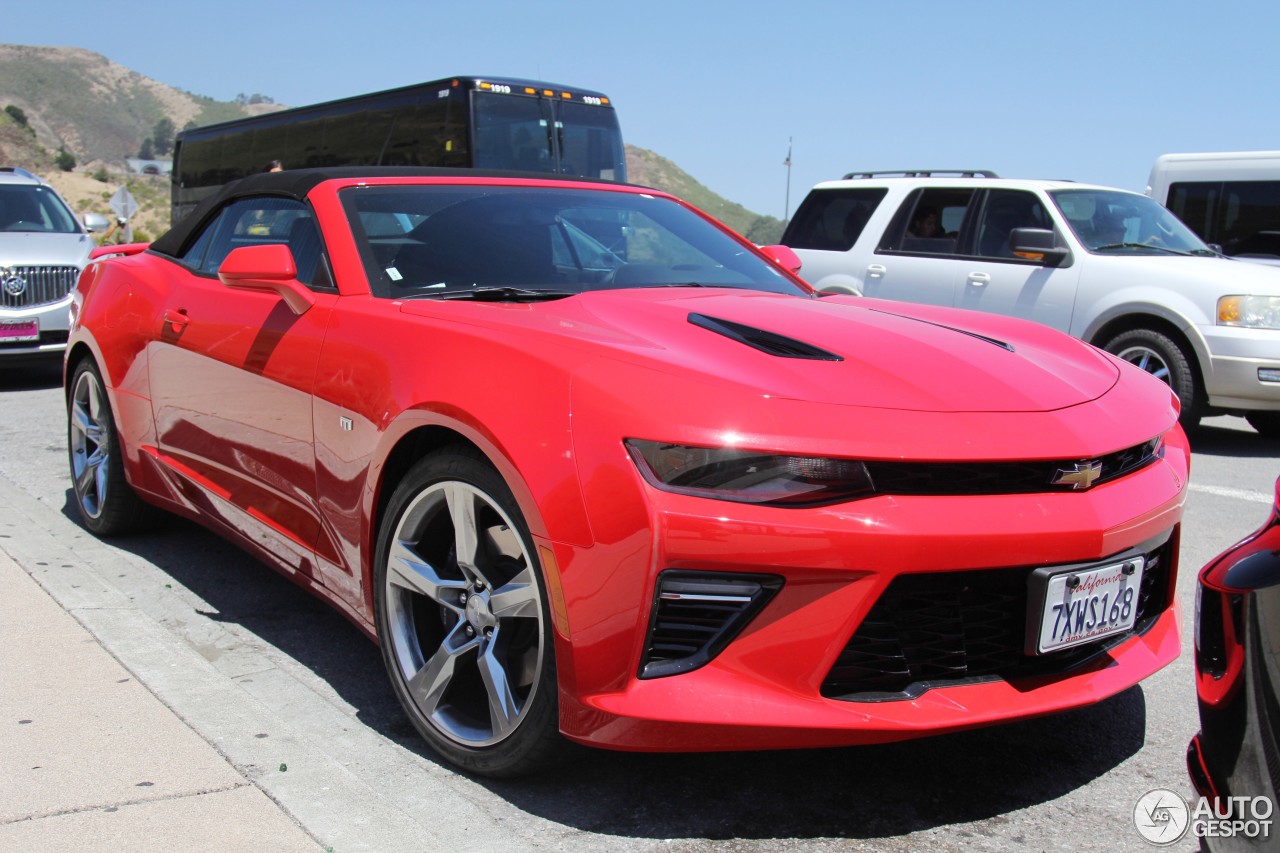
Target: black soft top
(296,183)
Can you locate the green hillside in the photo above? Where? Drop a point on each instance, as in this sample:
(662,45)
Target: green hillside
(652,170)
(97,110)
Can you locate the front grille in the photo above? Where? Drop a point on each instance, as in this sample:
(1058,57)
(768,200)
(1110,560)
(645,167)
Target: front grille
(38,285)
(697,614)
(1000,478)
(942,628)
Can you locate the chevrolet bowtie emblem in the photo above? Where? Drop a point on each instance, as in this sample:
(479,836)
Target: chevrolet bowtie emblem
(1079,477)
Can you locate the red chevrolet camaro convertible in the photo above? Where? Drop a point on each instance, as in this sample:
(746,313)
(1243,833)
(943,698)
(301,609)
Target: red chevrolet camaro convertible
(591,467)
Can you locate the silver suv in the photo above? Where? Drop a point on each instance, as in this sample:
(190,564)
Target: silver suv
(43,247)
(1111,267)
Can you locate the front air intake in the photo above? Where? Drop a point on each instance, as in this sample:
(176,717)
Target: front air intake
(696,614)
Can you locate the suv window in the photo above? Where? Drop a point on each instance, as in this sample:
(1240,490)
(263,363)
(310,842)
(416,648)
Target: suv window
(258,221)
(832,219)
(929,222)
(1004,211)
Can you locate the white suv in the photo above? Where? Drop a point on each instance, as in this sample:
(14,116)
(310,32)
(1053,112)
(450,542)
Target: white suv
(1111,267)
(43,247)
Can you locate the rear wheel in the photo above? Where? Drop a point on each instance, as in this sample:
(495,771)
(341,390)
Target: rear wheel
(463,619)
(107,503)
(1165,359)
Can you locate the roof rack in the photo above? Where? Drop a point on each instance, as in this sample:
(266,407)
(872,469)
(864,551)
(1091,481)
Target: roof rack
(925,173)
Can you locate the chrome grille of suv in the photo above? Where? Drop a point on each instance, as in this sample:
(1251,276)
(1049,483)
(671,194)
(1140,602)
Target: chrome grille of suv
(39,285)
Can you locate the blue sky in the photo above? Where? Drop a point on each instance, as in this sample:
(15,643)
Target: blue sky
(1087,90)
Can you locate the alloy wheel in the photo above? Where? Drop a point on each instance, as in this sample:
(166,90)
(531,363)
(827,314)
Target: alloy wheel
(464,614)
(90,437)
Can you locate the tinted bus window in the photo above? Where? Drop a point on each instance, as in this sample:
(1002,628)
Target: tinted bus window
(512,133)
(590,142)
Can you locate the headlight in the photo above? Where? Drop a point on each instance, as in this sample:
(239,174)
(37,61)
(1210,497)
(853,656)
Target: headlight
(749,476)
(1253,312)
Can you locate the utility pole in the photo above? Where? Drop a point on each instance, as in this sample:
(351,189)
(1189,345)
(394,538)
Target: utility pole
(786,210)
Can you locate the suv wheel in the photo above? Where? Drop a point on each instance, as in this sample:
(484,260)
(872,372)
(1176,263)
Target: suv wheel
(1165,359)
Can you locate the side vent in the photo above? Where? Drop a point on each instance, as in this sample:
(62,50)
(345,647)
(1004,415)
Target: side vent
(696,614)
(770,342)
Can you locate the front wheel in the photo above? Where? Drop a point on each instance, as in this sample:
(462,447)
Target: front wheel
(463,620)
(1165,359)
(107,503)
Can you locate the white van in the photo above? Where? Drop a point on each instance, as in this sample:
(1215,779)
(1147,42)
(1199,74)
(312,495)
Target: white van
(1231,199)
(1108,266)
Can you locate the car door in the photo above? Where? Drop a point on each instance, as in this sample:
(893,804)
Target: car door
(915,260)
(990,277)
(231,374)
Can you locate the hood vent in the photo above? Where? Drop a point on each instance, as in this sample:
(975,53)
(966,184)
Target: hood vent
(996,341)
(770,342)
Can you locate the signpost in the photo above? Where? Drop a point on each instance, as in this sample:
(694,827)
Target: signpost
(124,206)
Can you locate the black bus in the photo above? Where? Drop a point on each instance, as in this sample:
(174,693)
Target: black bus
(475,122)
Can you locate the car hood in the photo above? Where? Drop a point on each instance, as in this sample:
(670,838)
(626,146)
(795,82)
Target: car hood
(836,350)
(1210,277)
(34,248)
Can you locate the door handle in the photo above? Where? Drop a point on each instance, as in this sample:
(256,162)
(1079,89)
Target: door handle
(979,279)
(176,321)
(876,271)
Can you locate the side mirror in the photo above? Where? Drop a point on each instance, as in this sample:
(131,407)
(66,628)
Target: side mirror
(268,268)
(95,223)
(1037,244)
(783,257)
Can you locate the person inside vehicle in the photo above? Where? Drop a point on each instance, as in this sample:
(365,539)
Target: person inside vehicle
(1109,228)
(925,223)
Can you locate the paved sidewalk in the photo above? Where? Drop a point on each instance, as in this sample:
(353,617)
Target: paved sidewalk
(91,760)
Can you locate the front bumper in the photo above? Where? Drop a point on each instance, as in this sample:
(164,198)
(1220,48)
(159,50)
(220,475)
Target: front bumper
(1236,355)
(765,689)
(53,322)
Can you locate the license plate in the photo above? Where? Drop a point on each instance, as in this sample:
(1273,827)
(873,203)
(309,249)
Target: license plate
(1083,604)
(19,330)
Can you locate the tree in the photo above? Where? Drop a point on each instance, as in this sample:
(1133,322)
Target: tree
(765,230)
(17,115)
(147,152)
(65,160)
(162,137)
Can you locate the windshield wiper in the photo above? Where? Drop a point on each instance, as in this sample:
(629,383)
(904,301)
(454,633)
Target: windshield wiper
(508,294)
(1153,248)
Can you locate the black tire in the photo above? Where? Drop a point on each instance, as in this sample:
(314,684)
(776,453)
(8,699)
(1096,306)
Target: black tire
(1164,358)
(468,642)
(107,503)
(1266,423)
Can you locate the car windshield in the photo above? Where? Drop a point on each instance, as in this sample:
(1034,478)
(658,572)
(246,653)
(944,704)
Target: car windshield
(1109,221)
(34,208)
(508,242)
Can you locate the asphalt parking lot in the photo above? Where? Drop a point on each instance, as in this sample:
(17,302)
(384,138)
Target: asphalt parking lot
(296,704)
